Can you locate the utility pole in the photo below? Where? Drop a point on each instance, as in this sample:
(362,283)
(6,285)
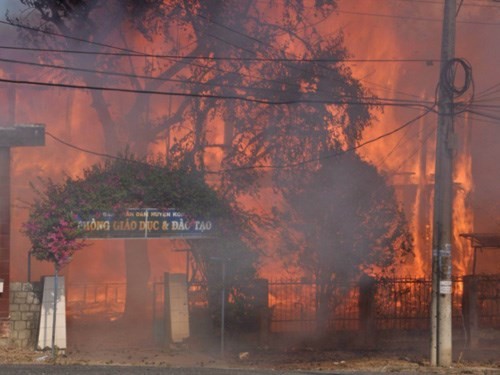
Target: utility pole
(441,305)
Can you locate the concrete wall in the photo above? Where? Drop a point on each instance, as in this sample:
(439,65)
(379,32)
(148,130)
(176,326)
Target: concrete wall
(25,307)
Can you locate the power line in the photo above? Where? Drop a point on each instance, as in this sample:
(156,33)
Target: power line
(85,150)
(267,45)
(150,92)
(239,33)
(470,3)
(68,37)
(283,166)
(153,78)
(425,19)
(483,114)
(221,58)
(491,90)
(136,53)
(132,53)
(346,100)
(225,27)
(338,153)
(173,80)
(399,143)
(148,77)
(418,148)
(128,75)
(440,3)
(482,120)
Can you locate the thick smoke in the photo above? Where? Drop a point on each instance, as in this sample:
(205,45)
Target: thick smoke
(377,32)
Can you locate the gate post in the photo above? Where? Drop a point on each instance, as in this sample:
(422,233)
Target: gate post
(367,310)
(176,311)
(470,310)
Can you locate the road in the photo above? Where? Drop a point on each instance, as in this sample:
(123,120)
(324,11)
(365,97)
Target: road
(147,370)
(128,370)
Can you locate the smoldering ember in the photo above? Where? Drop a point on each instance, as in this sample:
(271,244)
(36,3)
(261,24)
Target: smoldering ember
(296,185)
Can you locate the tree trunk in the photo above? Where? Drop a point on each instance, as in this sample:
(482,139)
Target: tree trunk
(138,297)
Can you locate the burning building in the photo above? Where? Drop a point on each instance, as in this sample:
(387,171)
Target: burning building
(160,87)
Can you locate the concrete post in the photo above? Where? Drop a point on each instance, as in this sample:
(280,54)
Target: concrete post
(441,329)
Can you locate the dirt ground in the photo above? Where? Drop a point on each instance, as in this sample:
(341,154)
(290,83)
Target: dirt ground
(396,353)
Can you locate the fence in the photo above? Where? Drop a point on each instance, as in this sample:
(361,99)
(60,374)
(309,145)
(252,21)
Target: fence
(95,299)
(405,304)
(399,304)
(489,301)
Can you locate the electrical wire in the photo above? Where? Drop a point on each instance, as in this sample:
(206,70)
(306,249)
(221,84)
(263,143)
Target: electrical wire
(448,76)
(225,27)
(406,124)
(440,3)
(69,37)
(218,97)
(400,140)
(337,153)
(127,51)
(483,114)
(270,59)
(85,150)
(221,58)
(267,45)
(260,42)
(425,138)
(342,100)
(135,76)
(449,87)
(412,18)
(209,84)
(154,78)
(398,144)
(232,30)
(211,68)
(135,53)
(283,166)
(491,90)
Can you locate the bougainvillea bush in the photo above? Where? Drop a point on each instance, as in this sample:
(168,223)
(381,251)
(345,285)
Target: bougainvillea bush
(114,186)
(54,234)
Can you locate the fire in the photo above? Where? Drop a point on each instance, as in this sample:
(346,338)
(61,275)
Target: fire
(463,216)
(406,157)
